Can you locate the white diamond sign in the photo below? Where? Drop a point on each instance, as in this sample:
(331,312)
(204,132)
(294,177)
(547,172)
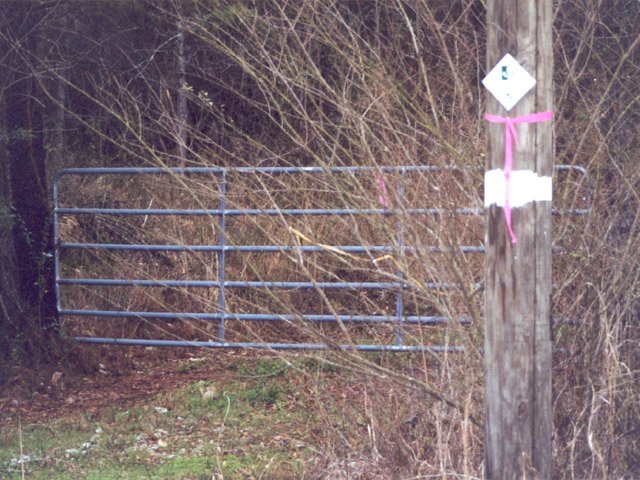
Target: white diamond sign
(508,81)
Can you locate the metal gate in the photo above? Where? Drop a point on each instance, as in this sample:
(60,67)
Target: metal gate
(219,215)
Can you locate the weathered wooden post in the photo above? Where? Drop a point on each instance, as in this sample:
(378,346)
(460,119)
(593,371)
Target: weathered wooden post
(518,249)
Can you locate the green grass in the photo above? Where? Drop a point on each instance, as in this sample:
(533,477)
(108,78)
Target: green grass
(261,368)
(246,428)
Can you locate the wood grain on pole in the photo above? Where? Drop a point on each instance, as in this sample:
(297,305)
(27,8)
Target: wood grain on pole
(518,277)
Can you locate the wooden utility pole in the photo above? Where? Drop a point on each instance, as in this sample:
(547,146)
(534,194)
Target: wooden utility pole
(518,275)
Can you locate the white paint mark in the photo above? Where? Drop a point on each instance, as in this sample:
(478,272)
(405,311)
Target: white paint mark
(525,186)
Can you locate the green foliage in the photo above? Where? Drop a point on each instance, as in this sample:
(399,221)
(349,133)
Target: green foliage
(262,368)
(19,134)
(314,364)
(187,366)
(265,373)
(264,393)
(6,221)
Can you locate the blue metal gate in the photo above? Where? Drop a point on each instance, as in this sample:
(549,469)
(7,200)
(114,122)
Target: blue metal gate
(220,214)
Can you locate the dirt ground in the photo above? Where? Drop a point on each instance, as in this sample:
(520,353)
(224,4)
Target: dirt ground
(121,376)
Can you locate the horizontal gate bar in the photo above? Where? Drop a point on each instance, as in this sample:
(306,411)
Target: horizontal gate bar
(273,248)
(267,346)
(289,212)
(267,248)
(254,170)
(245,284)
(278,170)
(266,212)
(412,319)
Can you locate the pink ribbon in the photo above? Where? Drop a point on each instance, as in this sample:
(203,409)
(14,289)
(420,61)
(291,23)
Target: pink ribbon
(510,136)
(383,190)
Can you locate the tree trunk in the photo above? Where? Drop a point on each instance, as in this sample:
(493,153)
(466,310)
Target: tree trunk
(31,320)
(11,307)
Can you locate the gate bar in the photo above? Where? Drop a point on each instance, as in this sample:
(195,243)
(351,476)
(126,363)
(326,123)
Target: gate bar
(250,284)
(266,248)
(413,319)
(266,212)
(267,346)
(279,170)
(399,273)
(221,256)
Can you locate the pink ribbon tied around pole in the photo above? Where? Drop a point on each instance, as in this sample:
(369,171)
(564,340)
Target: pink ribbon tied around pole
(510,136)
(382,187)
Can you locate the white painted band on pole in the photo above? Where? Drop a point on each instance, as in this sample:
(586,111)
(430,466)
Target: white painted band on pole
(525,186)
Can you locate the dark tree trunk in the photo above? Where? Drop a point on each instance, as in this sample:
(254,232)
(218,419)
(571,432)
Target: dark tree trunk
(34,329)
(32,229)
(10,301)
